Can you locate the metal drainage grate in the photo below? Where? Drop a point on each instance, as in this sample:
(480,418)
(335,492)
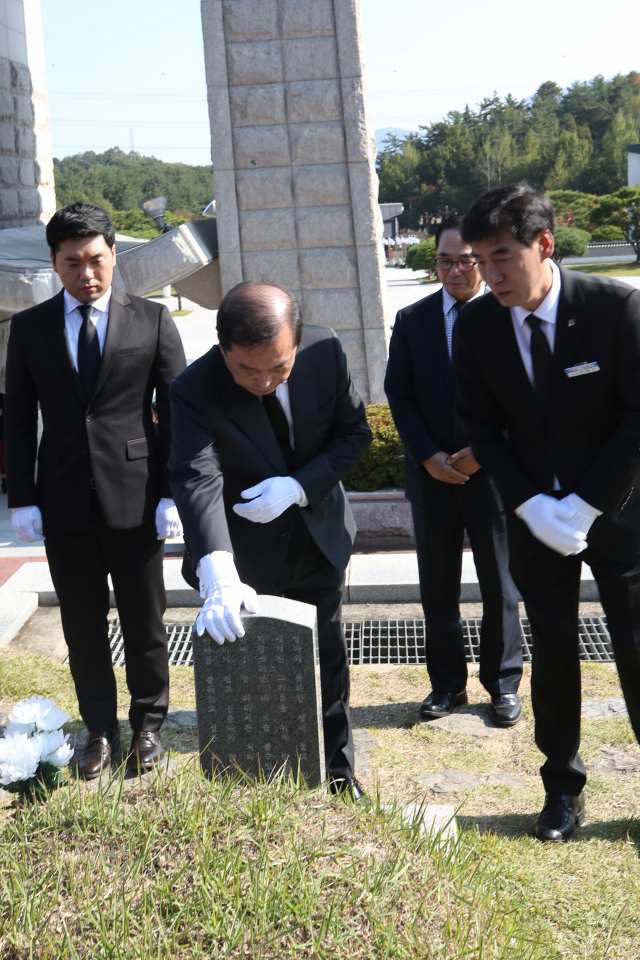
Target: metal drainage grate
(392,641)
(178,637)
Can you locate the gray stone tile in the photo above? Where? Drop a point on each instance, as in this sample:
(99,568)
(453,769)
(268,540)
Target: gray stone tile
(315,59)
(596,709)
(250,20)
(306,18)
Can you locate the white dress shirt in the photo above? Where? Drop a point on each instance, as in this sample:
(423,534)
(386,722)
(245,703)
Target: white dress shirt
(73,321)
(547,312)
(450,307)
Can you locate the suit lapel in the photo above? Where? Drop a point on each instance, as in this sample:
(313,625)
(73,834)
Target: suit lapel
(120,315)
(247,412)
(571,323)
(59,346)
(437,336)
(302,395)
(513,366)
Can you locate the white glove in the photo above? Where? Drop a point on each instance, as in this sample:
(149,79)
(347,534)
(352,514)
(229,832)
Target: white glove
(27,524)
(224,595)
(273,497)
(168,522)
(546,520)
(577,512)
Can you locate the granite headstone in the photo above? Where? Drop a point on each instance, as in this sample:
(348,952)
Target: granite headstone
(258,699)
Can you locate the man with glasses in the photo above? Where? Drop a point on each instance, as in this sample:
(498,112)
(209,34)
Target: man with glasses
(449,493)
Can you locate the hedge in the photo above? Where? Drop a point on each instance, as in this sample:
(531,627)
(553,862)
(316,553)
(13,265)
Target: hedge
(382,464)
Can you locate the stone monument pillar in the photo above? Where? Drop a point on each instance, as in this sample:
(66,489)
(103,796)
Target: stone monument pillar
(27,192)
(294,165)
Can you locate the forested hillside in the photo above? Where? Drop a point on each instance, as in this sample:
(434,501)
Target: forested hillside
(121,181)
(558,140)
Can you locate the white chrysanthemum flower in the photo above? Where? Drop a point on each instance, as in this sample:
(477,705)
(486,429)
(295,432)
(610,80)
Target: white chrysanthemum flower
(61,756)
(54,748)
(15,728)
(32,710)
(19,758)
(53,720)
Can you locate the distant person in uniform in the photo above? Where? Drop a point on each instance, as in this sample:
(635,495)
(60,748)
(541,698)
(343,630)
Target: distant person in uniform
(93,357)
(264,428)
(449,493)
(548,380)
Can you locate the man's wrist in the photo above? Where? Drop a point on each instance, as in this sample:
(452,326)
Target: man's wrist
(214,566)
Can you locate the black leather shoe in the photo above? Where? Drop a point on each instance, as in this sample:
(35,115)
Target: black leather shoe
(506,709)
(350,787)
(441,704)
(146,751)
(99,749)
(560,815)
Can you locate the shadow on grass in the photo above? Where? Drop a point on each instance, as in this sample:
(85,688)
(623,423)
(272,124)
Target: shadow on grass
(381,715)
(515,826)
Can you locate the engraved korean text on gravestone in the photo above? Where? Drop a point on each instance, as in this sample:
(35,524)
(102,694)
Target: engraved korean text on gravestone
(258,700)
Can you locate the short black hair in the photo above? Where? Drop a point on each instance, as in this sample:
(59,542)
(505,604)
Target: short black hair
(247,320)
(519,210)
(79,220)
(454,222)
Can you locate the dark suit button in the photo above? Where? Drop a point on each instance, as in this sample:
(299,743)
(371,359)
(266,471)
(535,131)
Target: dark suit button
(284,536)
(90,418)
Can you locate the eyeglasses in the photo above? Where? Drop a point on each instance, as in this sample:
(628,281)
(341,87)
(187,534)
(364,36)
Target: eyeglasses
(464,265)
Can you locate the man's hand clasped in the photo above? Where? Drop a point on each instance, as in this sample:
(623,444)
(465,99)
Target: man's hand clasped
(562,525)
(441,466)
(270,499)
(224,595)
(27,524)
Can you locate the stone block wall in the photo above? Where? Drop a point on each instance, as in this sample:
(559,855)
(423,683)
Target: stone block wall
(27,193)
(294,165)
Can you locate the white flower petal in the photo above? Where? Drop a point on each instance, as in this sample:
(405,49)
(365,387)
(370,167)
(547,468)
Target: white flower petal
(15,728)
(19,758)
(62,756)
(50,742)
(52,720)
(31,710)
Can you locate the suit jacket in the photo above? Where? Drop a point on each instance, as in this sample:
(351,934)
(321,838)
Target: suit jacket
(222,443)
(592,440)
(111,437)
(421,393)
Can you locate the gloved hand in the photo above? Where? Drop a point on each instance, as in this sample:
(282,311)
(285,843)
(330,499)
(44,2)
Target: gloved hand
(168,522)
(577,513)
(546,520)
(27,524)
(224,595)
(272,497)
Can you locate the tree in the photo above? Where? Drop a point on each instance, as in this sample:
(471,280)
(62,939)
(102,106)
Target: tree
(570,242)
(622,209)
(422,256)
(607,234)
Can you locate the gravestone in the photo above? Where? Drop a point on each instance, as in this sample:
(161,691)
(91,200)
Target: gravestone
(258,699)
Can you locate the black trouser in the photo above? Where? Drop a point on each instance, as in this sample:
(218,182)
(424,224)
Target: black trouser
(307,576)
(550,587)
(80,564)
(439,536)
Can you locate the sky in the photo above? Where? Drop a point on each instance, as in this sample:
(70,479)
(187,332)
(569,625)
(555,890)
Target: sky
(131,72)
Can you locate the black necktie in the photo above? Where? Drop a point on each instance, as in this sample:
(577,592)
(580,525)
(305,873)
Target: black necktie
(542,359)
(88,352)
(280,424)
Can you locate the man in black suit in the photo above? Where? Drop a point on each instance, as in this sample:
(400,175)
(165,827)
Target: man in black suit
(93,357)
(448,492)
(548,379)
(264,428)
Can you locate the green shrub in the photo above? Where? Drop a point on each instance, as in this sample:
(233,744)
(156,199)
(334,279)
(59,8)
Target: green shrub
(422,256)
(382,464)
(570,242)
(608,234)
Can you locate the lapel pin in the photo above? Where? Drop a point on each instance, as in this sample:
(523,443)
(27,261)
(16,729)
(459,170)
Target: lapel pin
(571,323)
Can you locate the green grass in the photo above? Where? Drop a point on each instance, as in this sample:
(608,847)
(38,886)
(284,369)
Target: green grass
(608,269)
(184,868)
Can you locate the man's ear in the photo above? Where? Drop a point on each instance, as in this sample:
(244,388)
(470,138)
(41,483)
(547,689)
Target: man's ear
(53,261)
(546,244)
